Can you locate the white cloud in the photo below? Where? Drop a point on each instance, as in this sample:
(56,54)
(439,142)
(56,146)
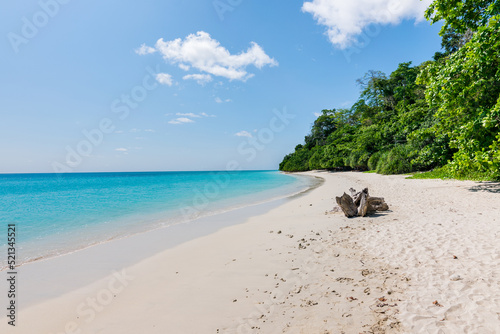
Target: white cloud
(243,134)
(150,130)
(346,20)
(201,79)
(189,114)
(207,115)
(121,149)
(164,79)
(202,52)
(317,114)
(181,120)
(144,50)
(219,100)
(185,118)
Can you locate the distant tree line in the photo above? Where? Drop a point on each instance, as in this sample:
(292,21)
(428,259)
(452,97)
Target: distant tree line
(443,113)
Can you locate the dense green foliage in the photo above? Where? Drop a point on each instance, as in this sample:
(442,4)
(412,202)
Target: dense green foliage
(462,15)
(444,112)
(465,91)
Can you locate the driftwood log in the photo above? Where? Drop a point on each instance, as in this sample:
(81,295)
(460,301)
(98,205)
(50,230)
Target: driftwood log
(360,203)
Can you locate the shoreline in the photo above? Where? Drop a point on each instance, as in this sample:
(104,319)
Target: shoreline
(295,268)
(159,225)
(141,245)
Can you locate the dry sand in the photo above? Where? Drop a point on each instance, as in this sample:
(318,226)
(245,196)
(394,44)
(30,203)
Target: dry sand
(429,265)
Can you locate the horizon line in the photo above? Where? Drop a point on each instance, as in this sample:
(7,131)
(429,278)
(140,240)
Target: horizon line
(153,171)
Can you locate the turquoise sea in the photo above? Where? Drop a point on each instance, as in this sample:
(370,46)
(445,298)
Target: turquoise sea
(60,213)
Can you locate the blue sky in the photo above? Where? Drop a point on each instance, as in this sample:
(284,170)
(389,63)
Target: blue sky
(232,81)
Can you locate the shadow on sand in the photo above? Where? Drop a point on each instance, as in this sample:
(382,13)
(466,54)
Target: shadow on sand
(379,214)
(491,187)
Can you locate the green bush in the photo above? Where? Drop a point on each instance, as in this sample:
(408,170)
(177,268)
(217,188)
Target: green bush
(381,161)
(357,160)
(372,162)
(363,160)
(396,161)
(352,160)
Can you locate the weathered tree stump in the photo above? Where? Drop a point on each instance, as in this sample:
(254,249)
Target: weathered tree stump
(347,205)
(360,203)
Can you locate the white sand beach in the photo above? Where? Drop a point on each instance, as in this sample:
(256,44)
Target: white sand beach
(431,264)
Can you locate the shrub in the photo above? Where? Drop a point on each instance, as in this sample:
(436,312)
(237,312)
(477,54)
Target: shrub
(372,162)
(352,160)
(357,160)
(396,161)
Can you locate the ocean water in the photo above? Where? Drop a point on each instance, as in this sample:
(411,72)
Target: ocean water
(60,213)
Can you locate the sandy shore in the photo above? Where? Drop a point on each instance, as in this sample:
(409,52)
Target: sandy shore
(429,265)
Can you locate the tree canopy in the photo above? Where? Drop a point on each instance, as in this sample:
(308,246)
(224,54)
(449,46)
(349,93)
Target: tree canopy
(462,15)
